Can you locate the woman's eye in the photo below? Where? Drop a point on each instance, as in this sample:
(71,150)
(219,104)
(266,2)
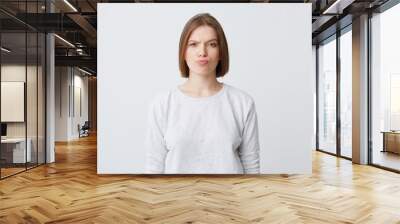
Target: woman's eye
(213,44)
(192,44)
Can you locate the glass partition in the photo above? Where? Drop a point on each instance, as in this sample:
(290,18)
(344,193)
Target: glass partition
(327,96)
(346,93)
(41,86)
(385,89)
(33,56)
(13,109)
(22,77)
(31,100)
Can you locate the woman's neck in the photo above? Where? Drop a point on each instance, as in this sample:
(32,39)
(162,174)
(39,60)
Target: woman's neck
(201,86)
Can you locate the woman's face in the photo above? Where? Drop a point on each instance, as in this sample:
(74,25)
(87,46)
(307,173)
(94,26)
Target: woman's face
(202,51)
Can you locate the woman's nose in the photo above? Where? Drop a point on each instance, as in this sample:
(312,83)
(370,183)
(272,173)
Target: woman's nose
(202,51)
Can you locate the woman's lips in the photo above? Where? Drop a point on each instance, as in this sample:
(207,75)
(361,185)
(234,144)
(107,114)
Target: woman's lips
(202,62)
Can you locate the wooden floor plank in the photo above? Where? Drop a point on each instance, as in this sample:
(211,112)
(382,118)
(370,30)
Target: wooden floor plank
(70,191)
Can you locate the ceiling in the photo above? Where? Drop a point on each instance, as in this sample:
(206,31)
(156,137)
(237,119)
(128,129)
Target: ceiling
(76,22)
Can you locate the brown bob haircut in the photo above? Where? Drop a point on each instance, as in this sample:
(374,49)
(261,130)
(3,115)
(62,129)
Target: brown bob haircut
(201,20)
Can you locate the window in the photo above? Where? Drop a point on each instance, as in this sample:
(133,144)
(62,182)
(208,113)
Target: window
(385,89)
(346,93)
(327,96)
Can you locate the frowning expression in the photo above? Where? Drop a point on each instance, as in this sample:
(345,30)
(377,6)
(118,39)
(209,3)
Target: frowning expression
(202,51)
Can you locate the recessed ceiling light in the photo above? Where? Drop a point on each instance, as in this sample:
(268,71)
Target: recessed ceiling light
(86,72)
(64,40)
(5,50)
(70,5)
(337,7)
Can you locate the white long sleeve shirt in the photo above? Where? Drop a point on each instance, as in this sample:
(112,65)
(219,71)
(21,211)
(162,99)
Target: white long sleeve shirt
(202,135)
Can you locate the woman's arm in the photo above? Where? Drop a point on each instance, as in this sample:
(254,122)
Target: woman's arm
(249,150)
(156,150)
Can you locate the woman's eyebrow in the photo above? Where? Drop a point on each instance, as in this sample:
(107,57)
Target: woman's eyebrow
(199,41)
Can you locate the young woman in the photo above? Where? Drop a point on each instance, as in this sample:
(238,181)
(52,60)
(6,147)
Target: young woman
(203,126)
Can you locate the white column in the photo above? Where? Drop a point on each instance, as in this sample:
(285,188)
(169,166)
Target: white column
(360,90)
(50,93)
(50,110)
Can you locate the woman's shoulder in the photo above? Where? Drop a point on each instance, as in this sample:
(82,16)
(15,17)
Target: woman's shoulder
(238,94)
(161,98)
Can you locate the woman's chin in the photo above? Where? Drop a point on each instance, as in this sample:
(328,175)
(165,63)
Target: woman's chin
(202,72)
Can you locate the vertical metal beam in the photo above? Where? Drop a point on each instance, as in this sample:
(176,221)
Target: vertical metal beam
(0,93)
(45,89)
(317,95)
(369,62)
(338,91)
(26,87)
(37,90)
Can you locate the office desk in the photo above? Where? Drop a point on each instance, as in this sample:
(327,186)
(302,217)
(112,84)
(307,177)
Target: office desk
(391,141)
(13,150)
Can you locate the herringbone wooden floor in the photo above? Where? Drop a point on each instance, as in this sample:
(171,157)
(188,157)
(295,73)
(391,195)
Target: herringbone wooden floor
(70,191)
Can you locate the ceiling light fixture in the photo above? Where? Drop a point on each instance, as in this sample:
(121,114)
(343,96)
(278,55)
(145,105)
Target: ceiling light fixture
(5,49)
(79,51)
(70,5)
(337,7)
(329,9)
(64,40)
(86,72)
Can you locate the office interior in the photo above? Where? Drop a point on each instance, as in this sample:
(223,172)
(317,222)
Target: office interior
(48,85)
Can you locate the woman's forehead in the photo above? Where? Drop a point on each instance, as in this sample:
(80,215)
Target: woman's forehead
(204,33)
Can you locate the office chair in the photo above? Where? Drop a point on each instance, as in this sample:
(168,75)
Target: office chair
(84,130)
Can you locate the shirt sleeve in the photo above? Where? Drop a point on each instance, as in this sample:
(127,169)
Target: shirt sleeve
(249,149)
(156,150)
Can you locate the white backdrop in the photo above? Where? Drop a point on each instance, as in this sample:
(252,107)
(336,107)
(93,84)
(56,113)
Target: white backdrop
(270,52)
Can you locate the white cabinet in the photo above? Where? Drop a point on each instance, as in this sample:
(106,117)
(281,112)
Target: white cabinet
(18,149)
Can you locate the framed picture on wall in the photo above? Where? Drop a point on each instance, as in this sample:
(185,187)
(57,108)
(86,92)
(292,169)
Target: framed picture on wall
(12,101)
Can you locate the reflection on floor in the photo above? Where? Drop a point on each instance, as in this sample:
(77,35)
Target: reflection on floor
(11,169)
(386,159)
(346,152)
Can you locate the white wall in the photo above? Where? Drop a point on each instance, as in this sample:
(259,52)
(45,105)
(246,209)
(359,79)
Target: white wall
(270,58)
(80,83)
(314,73)
(61,103)
(17,73)
(67,80)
